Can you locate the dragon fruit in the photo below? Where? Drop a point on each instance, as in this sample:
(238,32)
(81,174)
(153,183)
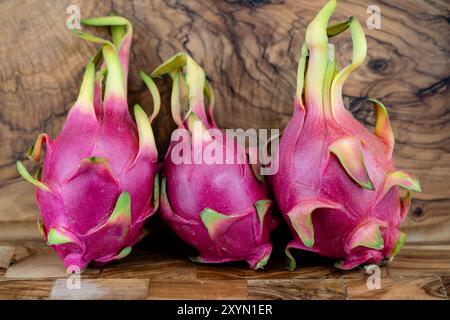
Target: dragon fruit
(98,182)
(336,185)
(221,209)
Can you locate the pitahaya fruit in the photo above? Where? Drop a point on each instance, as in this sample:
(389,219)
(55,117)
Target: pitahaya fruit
(98,182)
(336,185)
(221,209)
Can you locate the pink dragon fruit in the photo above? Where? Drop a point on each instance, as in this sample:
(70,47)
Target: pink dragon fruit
(221,209)
(336,185)
(98,182)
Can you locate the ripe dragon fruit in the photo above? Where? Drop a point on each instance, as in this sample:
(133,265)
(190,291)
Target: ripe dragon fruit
(98,182)
(221,209)
(336,185)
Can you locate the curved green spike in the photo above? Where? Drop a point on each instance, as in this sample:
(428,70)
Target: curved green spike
(368,235)
(349,152)
(302,223)
(114,80)
(156,192)
(291,264)
(198,259)
(35,152)
(97,57)
(105,21)
(175,63)
(38,174)
(359,54)
(402,179)
(91,38)
(120,27)
(256,171)
(40,227)
(154,92)
(175,100)
(405,203)
(209,94)
(254,164)
(213,221)
(301,69)
(163,192)
(197,128)
(122,211)
(26,175)
(195,79)
(85,100)
(101,74)
(262,208)
(316,32)
(263,262)
(383,127)
(317,42)
(122,254)
(118,33)
(57,237)
(145,132)
(340,265)
(301,218)
(399,244)
(336,29)
(328,79)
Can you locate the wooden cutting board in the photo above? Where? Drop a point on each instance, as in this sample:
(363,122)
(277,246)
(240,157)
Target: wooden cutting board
(33,271)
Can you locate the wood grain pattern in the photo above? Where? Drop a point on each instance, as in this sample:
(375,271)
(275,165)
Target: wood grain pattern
(239,271)
(17,202)
(144,264)
(19,232)
(198,289)
(13,289)
(105,289)
(406,288)
(6,254)
(446,285)
(39,262)
(277,271)
(329,289)
(249,50)
(29,273)
(421,260)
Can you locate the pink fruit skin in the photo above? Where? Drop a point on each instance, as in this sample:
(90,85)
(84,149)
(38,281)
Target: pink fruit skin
(329,211)
(233,230)
(98,174)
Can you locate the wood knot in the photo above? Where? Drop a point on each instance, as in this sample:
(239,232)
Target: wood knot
(378,65)
(418,212)
(255,3)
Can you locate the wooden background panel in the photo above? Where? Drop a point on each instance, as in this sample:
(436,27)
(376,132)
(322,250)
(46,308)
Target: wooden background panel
(249,49)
